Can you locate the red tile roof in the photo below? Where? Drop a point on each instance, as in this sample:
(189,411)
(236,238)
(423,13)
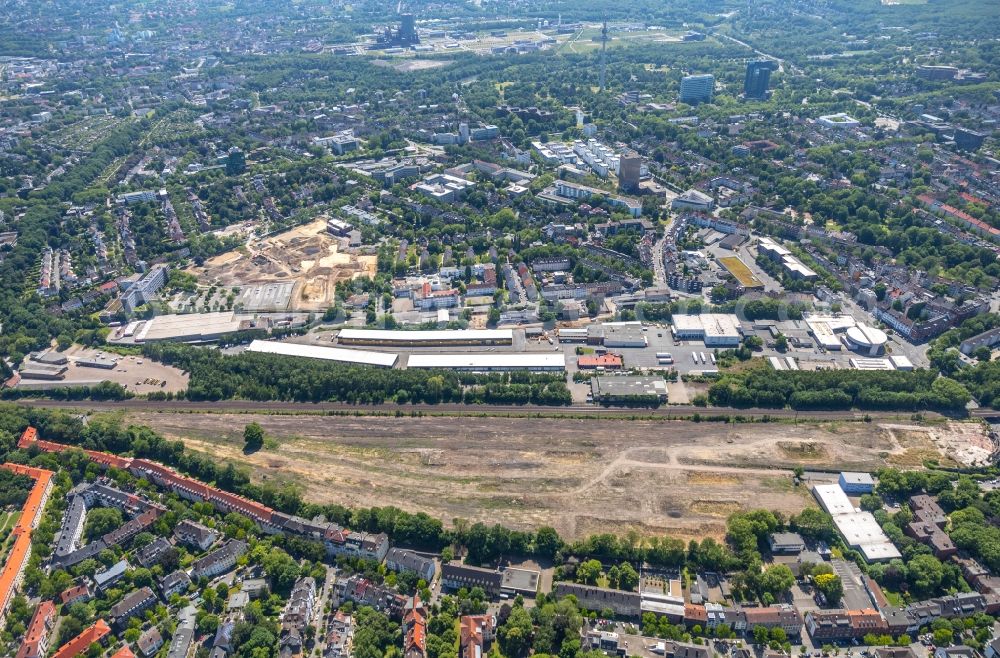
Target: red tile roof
(415,624)
(162,474)
(74,592)
(30,516)
(471,635)
(124,652)
(38,629)
(600,361)
(82,642)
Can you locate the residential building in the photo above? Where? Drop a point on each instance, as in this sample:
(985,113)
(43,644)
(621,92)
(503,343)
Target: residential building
(456,576)
(255,588)
(697,88)
(195,534)
(960,651)
(174,583)
(111,575)
(402,560)
(81,643)
(180,644)
(364,592)
(76,594)
(222,643)
(844,624)
(72,526)
(133,605)
(785,617)
(298,615)
(414,628)
(989,339)
(340,636)
(151,553)
(150,642)
(476,632)
(35,643)
(786,543)
(219,561)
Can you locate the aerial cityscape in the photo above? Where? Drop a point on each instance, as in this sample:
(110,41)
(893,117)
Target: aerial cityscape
(500,329)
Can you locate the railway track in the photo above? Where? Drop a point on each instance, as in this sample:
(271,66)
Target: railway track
(333,408)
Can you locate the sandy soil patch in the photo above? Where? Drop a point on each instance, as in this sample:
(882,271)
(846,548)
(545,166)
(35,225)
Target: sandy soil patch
(580,476)
(307,255)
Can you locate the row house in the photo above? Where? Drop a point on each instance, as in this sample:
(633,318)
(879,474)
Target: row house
(364,592)
(402,560)
(844,624)
(298,614)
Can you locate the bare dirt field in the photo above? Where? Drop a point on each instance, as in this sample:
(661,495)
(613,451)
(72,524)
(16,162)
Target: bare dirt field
(307,255)
(580,476)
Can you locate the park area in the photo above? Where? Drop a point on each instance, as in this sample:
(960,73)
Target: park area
(581,476)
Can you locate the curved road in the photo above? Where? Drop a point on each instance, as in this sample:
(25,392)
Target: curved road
(667,412)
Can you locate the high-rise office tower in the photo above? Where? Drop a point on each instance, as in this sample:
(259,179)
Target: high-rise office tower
(757,79)
(697,88)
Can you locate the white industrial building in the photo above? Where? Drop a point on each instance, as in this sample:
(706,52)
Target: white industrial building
(839,120)
(472,362)
(693,200)
(872,364)
(443,187)
(830,330)
(624,334)
(860,529)
(190,327)
(715,329)
(338,354)
(866,339)
(781,255)
(433,338)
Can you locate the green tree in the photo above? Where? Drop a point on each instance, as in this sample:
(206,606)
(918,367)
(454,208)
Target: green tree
(588,572)
(628,578)
(101,521)
(253,437)
(831,587)
(515,635)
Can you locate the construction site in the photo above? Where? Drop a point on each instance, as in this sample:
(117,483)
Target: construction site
(307,256)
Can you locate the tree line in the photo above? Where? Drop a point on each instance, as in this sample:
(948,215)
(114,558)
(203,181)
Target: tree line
(839,389)
(262,377)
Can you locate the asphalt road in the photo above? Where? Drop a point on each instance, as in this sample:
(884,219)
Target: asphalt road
(670,411)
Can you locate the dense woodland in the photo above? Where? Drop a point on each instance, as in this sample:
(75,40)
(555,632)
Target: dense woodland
(916,390)
(252,376)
